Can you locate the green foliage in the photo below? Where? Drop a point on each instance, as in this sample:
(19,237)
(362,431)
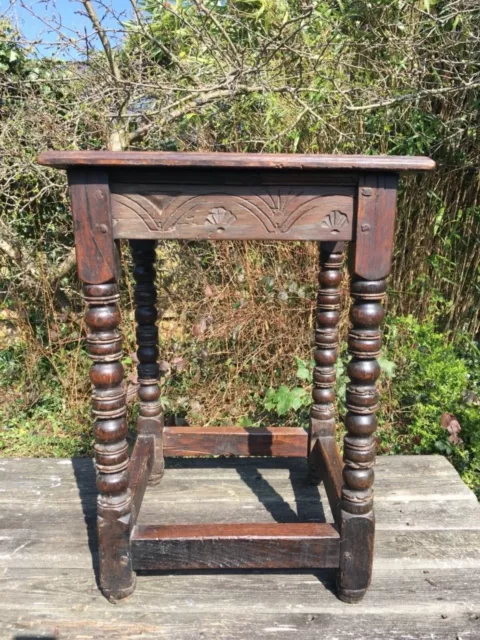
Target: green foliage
(283,399)
(36,416)
(436,385)
(436,382)
(350,76)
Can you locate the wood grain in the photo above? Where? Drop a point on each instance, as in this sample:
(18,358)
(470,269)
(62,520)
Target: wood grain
(139,471)
(231,212)
(358,204)
(235,441)
(150,413)
(413,493)
(375,227)
(327,317)
(104,346)
(94,246)
(277,161)
(331,472)
(425,581)
(237,546)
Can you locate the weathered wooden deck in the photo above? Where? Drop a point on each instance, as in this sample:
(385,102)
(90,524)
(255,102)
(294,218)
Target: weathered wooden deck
(426,574)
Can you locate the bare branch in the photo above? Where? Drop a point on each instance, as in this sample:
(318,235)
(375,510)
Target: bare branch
(97,25)
(412,96)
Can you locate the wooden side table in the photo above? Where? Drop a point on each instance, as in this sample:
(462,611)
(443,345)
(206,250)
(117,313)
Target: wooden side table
(146,197)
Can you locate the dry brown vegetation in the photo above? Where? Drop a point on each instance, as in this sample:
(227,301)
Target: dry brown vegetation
(296,76)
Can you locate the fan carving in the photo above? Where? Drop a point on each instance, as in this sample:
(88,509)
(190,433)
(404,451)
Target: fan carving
(196,211)
(220,218)
(335,221)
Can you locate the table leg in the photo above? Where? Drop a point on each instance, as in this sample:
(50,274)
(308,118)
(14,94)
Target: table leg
(370,258)
(150,419)
(322,420)
(104,345)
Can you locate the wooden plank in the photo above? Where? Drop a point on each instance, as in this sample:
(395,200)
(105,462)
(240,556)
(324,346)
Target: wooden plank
(392,590)
(413,515)
(234,546)
(431,589)
(71,548)
(235,441)
(226,212)
(240,624)
(222,489)
(412,492)
(277,161)
(51,471)
(140,467)
(401,605)
(399,480)
(425,582)
(262,489)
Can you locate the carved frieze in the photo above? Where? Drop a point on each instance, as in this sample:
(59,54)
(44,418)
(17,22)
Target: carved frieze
(232,212)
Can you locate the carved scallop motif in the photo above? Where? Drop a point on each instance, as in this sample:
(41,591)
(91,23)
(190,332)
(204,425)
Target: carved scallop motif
(335,221)
(303,212)
(220,218)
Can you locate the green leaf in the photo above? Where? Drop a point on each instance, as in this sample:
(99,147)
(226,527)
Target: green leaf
(303,371)
(283,400)
(298,398)
(387,366)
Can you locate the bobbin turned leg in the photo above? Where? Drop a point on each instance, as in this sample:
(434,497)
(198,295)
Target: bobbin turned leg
(150,419)
(357,518)
(117,580)
(322,420)
(369,264)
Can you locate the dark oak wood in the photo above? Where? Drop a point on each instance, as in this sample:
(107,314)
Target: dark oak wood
(149,196)
(367,288)
(331,472)
(226,212)
(235,546)
(104,346)
(91,210)
(377,195)
(357,524)
(139,470)
(277,161)
(150,417)
(235,441)
(322,414)
(265,177)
